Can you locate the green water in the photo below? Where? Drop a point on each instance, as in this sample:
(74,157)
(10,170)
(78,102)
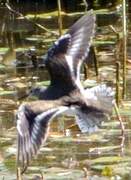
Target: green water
(67,154)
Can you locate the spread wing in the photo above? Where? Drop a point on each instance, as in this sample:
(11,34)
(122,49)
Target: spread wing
(33,128)
(65,57)
(100,103)
(33,119)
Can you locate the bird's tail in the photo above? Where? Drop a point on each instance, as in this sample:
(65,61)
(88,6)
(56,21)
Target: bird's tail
(99,105)
(101,97)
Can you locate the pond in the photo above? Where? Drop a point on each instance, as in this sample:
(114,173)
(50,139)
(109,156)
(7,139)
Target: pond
(67,154)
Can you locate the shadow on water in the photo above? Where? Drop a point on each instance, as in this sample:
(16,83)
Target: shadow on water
(67,154)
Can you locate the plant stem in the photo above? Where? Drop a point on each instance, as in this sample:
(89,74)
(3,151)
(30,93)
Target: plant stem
(124,47)
(117,83)
(59,17)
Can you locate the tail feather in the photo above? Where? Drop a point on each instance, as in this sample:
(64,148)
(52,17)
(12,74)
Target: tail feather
(100,103)
(91,121)
(101,97)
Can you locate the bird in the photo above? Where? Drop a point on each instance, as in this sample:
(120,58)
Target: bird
(102,97)
(65,92)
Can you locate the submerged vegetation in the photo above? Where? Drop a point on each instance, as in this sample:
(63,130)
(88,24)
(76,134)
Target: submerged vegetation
(24,38)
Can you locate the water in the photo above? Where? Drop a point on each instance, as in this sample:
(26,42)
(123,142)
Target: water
(67,154)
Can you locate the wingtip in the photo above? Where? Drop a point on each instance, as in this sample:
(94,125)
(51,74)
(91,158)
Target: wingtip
(91,13)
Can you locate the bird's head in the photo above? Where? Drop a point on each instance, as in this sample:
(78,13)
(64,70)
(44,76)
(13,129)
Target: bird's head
(35,91)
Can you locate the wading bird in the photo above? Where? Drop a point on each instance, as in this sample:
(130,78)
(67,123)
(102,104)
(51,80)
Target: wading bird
(65,92)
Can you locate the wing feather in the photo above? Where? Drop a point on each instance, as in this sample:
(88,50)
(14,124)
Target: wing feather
(33,130)
(68,52)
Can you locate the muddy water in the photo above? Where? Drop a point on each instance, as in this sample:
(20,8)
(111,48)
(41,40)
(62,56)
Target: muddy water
(67,154)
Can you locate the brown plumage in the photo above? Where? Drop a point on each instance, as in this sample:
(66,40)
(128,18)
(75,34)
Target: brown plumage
(65,93)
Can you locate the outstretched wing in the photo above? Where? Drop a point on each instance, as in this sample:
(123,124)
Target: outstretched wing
(64,59)
(33,128)
(100,103)
(81,33)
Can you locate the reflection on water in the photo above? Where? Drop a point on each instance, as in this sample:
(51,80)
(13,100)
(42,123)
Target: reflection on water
(67,154)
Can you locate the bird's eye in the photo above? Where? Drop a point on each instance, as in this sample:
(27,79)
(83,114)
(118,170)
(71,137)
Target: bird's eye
(31,91)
